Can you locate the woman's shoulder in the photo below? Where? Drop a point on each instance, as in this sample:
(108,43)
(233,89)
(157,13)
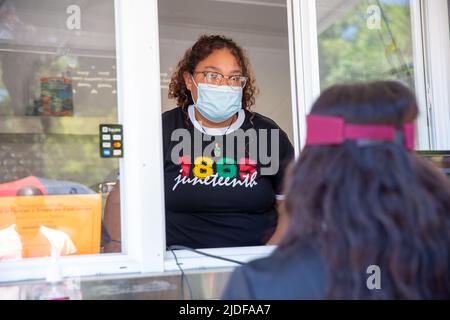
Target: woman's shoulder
(172,114)
(293,273)
(173,119)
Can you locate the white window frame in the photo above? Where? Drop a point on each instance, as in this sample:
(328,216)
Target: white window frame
(190,260)
(143,214)
(140,113)
(417,27)
(305,88)
(307,65)
(437,71)
(306,60)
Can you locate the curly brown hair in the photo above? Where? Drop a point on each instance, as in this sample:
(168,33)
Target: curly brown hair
(204,46)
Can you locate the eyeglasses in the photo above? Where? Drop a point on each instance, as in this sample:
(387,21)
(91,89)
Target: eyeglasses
(217,79)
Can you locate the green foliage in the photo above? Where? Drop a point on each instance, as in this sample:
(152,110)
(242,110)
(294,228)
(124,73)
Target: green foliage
(349,51)
(76,158)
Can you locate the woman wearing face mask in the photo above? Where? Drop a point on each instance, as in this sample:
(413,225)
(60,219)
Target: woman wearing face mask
(218,195)
(223,164)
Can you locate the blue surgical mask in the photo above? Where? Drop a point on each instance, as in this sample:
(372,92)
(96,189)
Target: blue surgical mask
(218,103)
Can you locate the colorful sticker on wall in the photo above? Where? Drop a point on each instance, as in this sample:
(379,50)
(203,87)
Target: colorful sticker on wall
(56,97)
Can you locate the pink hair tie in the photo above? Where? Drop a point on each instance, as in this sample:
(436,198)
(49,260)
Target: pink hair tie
(328,130)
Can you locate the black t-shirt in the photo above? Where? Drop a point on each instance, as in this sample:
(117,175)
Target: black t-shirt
(221,185)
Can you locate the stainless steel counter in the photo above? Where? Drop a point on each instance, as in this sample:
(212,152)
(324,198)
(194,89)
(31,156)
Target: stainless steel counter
(204,284)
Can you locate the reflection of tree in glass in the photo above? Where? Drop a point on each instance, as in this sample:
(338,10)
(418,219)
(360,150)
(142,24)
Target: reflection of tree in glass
(17,67)
(20,157)
(71,156)
(349,51)
(64,155)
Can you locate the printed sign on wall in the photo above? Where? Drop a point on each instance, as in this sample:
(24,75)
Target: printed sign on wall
(31,226)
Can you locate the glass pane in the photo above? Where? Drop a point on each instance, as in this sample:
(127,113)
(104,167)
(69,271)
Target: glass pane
(263,34)
(57,85)
(440,158)
(365,40)
(260,28)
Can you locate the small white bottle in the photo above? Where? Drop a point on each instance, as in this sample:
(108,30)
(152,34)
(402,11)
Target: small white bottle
(56,288)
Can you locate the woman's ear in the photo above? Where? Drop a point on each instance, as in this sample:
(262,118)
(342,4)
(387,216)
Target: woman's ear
(188,80)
